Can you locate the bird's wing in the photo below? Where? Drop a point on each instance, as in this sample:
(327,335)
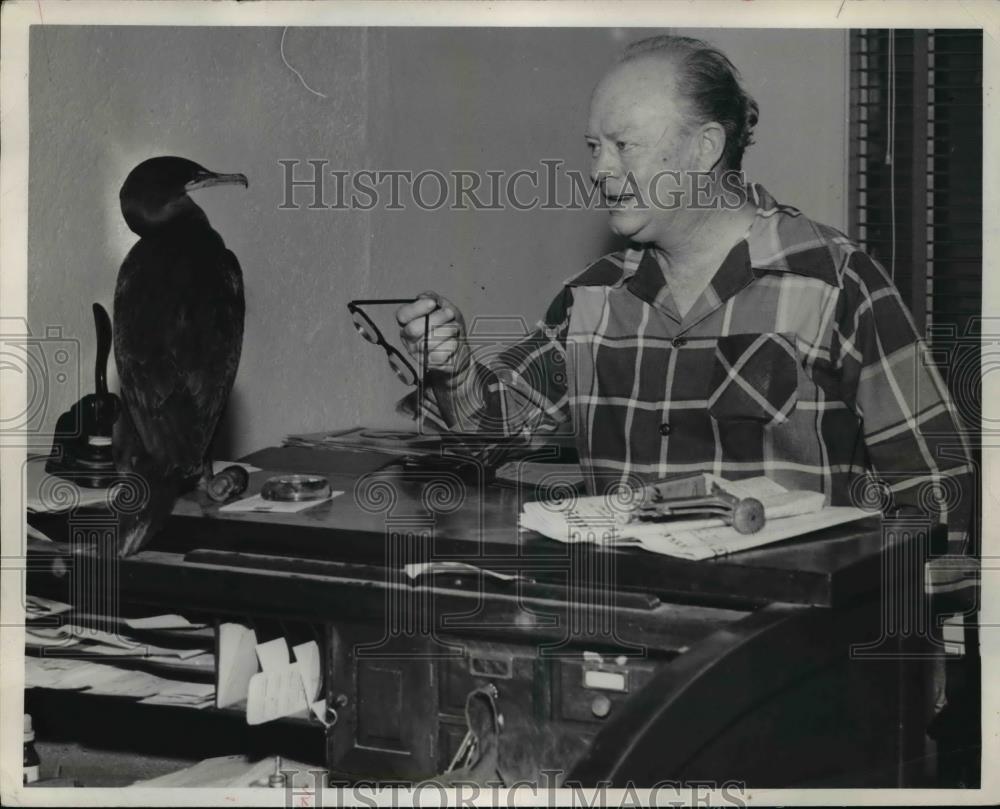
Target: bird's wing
(178,336)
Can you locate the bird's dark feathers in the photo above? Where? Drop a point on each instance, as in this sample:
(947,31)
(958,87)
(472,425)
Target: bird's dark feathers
(178,339)
(154,195)
(178,334)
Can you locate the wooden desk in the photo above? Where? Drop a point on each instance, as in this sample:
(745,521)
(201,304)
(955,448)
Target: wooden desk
(774,667)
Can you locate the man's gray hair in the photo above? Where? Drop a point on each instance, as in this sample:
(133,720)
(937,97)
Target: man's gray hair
(711,85)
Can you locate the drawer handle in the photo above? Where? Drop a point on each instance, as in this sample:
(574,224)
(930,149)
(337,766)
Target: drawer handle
(601,706)
(605,680)
(493,667)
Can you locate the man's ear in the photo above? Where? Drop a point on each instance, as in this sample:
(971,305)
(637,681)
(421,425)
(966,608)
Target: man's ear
(710,145)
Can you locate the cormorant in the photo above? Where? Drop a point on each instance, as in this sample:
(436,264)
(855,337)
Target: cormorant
(178,333)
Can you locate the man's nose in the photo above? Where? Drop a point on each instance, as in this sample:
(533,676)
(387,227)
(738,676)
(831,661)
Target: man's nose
(603,167)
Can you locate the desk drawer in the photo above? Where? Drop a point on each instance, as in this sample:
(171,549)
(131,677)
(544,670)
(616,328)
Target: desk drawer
(592,689)
(517,672)
(404,701)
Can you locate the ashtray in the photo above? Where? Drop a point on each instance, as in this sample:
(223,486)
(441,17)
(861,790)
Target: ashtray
(296,488)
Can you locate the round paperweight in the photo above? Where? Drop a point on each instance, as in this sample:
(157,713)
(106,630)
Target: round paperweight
(296,488)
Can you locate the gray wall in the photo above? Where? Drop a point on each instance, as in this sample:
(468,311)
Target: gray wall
(103,99)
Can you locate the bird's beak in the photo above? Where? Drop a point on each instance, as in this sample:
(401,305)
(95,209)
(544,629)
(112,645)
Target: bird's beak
(210,179)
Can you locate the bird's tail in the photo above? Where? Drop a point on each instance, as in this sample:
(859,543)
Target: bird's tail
(143,503)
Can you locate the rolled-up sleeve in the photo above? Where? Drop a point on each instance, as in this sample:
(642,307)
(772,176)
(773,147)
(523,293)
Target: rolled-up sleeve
(518,391)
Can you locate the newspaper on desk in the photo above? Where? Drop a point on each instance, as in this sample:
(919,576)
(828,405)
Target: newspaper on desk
(602,521)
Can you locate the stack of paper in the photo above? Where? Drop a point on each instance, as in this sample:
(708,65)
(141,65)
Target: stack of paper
(97,642)
(39,607)
(193,657)
(180,692)
(280,687)
(74,674)
(397,442)
(602,521)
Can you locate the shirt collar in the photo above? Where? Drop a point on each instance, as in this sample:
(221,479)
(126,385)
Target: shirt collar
(779,239)
(735,272)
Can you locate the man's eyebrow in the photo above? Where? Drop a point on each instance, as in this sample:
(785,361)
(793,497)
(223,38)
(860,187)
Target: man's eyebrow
(624,132)
(614,134)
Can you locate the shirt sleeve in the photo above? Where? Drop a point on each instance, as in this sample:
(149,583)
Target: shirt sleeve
(519,390)
(914,439)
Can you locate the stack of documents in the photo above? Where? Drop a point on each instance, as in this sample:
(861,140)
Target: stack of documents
(264,678)
(39,607)
(395,442)
(66,655)
(75,674)
(84,641)
(604,522)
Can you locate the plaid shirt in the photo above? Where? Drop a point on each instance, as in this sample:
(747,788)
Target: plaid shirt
(799,361)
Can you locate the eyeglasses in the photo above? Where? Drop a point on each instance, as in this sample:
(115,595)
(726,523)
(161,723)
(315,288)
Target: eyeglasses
(366,328)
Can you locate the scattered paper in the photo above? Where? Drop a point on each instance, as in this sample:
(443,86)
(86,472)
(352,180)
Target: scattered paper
(256,503)
(95,641)
(37,637)
(281,687)
(199,695)
(273,655)
(600,521)
(763,488)
(417,569)
(33,533)
(237,663)
(710,542)
(40,607)
(74,674)
(203,661)
(55,672)
(163,622)
(308,659)
(274,694)
(318,709)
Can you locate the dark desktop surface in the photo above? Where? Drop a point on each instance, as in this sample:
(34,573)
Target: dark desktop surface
(470,522)
(713,655)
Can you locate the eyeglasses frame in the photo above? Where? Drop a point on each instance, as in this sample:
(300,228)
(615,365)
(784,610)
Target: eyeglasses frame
(354,307)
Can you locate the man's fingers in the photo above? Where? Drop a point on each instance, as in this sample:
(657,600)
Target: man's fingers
(414,330)
(446,329)
(419,308)
(441,357)
(439,352)
(434,344)
(439,341)
(443,303)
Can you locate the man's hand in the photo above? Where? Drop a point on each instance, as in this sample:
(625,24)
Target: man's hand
(448,350)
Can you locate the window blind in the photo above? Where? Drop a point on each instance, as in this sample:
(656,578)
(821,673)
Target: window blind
(916,193)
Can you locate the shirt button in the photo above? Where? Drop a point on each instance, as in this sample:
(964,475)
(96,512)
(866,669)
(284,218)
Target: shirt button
(665,428)
(679,341)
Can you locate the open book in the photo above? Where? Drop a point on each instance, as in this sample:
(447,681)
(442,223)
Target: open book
(604,521)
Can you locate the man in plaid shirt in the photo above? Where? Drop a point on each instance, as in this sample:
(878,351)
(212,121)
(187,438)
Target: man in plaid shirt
(738,338)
